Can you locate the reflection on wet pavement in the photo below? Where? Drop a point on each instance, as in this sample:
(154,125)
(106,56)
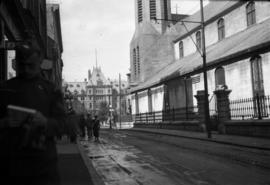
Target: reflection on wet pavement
(119,164)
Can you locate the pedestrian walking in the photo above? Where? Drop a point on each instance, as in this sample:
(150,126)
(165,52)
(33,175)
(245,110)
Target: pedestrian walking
(72,126)
(89,125)
(31,115)
(96,127)
(82,125)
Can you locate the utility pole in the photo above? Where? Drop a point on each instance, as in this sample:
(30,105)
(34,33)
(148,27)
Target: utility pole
(206,103)
(120,100)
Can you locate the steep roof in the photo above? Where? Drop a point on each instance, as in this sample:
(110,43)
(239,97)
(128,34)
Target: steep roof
(97,76)
(236,47)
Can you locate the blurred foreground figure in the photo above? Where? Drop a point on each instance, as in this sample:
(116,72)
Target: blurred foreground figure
(31,115)
(96,128)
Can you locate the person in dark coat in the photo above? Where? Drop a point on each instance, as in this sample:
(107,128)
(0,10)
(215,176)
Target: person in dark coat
(82,124)
(28,150)
(72,125)
(96,128)
(89,125)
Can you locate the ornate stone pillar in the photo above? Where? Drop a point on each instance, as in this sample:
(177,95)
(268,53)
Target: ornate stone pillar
(223,108)
(201,108)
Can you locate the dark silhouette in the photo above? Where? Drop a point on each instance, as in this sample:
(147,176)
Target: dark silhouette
(82,124)
(89,125)
(72,126)
(96,128)
(28,150)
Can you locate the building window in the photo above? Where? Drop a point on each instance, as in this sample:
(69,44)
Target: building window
(257,75)
(251,15)
(165,9)
(181,49)
(134,62)
(221,29)
(140,11)
(153,9)
(138,61)
(220,77)
(198,40)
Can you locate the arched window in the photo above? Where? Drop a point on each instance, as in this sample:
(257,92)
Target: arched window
(140,11)
(134,62)
(152,6)
(181,49)
(138,61)
(251,15)
(198,40)
(220,77)
(257,75)
(221,29)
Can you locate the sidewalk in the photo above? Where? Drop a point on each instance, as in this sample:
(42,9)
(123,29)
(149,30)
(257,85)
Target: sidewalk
(242,141)
(72,167)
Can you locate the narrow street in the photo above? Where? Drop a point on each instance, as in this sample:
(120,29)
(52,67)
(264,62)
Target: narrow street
(128,158)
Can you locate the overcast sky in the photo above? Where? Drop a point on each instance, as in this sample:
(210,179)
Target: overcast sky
(105,25)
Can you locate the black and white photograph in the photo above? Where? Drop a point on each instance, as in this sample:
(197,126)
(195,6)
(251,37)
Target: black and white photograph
(134,92)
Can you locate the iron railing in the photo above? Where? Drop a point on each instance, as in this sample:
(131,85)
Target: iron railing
(257,107)
(179,114)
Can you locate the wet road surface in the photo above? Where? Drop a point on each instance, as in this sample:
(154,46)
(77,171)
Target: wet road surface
(133,158)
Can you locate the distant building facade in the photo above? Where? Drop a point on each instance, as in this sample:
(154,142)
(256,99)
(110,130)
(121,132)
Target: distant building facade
(93,91)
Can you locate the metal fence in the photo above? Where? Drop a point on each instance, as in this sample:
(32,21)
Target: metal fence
(179,114)
(257,107)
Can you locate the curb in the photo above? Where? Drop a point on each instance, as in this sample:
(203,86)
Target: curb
(96,179)
(203,139)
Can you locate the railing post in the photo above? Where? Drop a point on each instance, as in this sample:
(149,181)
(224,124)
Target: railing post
(223,108)
(154,117)
(147,114)
(259,106)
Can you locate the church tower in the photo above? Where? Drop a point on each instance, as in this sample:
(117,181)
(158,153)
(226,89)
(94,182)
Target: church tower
(150,32)
(147,11)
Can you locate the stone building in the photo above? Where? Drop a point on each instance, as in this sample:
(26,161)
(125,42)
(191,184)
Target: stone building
(98,90)
(92,91)
(237,54)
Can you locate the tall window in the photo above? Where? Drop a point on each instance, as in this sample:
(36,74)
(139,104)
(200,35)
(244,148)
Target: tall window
(165,9)
(221,29)
(140,11)
(181,49)
(138,61)
(152,9)
(198,40)
(257,75)
(251,15)
(134,62)
(220,77)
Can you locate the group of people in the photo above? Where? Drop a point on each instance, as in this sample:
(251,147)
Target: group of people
(91,125)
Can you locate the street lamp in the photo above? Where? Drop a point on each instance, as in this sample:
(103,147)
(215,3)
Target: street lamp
(110,110)
(203,54)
